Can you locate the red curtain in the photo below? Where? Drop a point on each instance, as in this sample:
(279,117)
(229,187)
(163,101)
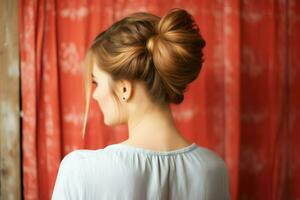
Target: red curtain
(245,105)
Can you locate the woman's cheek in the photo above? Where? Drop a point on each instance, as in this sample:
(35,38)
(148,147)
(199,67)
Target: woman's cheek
(104,98)
(100,96)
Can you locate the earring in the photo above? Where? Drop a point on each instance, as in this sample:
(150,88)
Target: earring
(124,90)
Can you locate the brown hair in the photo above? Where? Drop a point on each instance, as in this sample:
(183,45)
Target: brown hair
(165,53)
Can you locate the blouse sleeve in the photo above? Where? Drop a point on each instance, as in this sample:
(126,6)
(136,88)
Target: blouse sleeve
(69,179)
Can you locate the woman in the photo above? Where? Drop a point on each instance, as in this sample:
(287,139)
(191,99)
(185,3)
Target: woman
(140,65)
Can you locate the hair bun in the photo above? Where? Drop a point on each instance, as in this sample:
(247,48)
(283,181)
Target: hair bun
(177,52)
(177,19)
(150,43)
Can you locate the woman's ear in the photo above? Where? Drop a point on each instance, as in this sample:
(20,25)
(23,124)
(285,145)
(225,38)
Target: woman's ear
(125,89)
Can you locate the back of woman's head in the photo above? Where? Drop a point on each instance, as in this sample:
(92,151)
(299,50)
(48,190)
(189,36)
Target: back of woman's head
(164,53)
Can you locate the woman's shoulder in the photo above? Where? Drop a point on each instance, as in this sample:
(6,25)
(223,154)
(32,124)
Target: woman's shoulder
(87,158)
(209,155)
(209,161)
(85,155)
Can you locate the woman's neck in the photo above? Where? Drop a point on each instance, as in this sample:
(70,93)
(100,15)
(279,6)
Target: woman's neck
(154,128)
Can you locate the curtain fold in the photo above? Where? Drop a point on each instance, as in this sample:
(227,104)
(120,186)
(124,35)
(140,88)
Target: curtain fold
(231,65)
(245,105)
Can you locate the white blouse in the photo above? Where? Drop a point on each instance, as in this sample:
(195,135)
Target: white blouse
(124,172)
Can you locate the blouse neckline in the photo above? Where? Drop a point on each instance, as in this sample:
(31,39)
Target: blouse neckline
(127,147)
